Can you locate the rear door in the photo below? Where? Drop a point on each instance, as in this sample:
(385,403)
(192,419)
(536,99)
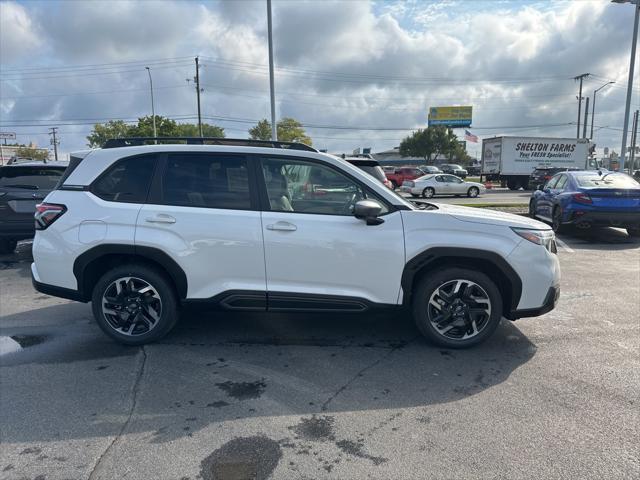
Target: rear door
(317,253)
(203,213)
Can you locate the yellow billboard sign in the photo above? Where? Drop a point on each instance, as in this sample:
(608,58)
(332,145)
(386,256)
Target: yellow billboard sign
(450,116)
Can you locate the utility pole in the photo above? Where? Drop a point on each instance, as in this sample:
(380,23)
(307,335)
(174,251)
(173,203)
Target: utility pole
(632,62)
(580,78)
(586,118)
(198,94)
(274,128)
(153,110)
(634,138)
(54,141)
(593,106)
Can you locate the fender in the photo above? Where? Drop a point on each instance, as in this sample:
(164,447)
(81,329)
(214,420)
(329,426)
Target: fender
(157,256)
(434,256)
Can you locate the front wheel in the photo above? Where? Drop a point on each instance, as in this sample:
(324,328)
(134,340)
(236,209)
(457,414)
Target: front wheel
(428,192)
(134,304)
(473,192)
(7,245)
(457,307)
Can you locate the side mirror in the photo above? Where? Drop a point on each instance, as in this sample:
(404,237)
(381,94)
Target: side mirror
(368,210)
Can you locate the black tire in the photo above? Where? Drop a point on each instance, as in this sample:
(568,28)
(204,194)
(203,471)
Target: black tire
(633,232)
(473,192)
(513,184)
(7,245)
(428,192)
(532,209)
(556,221)
(431,283)
(158,281)
(394,184)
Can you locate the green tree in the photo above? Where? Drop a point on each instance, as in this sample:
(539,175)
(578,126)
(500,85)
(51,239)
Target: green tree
(34,153)
(262,131)
(191,130)
(430,142)
(165,127)
(289,130)
(104,131)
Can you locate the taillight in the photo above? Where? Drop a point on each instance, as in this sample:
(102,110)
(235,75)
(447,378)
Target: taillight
(582,198)
(47,213)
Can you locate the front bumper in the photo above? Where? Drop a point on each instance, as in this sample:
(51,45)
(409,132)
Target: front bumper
(549,304)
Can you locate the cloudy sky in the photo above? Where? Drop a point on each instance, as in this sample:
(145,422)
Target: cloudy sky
(355,73)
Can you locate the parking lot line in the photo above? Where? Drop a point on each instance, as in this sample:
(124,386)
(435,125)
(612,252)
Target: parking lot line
(564,246)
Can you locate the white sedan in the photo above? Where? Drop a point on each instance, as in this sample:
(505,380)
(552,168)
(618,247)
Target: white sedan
(428,186)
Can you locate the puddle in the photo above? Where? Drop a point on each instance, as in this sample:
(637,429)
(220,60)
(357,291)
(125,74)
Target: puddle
(16,343)
(244,458)
(316,429)
(243,390)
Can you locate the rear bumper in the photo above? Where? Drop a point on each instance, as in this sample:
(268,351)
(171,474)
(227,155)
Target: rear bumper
(18,230)
(549,304)
(56,291)
(606,219)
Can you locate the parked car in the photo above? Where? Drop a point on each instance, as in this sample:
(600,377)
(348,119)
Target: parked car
(589,198)
(430,169)
(454,169)
(22,186)
(429,186)
(474,170)
(372,167)
(542,175)
(399,175)
(140,230)
(636,175)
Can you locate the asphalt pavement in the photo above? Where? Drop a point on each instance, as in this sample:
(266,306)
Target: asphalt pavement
(242,396)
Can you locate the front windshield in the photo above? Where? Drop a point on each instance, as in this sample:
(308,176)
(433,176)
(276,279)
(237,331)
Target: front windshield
(611,180)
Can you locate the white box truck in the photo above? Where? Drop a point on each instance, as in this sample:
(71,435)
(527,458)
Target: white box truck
(511,160)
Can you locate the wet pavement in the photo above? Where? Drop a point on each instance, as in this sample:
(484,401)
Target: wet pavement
(243,396)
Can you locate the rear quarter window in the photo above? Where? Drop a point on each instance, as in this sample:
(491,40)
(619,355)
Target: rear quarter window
(127,180)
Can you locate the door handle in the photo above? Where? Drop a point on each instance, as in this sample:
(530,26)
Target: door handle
(161,218)
(282,226)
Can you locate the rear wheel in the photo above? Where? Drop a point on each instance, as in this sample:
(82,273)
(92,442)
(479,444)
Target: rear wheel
(457,307)
(428,192)
(532,209)
(7,245)
(556,221)
(134,304)
(473,192)
(394,185)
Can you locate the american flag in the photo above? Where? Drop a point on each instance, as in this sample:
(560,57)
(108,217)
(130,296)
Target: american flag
(470,137)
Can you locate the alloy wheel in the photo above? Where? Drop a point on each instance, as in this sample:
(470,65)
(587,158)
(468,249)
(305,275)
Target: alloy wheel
(428,192)
(459,309)
(131,306)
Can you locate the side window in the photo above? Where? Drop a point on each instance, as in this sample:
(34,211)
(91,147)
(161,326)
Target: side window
(305,187)
(453,179)
(126,181)
(207,181)
(551,184)
(562,181)
(440,178)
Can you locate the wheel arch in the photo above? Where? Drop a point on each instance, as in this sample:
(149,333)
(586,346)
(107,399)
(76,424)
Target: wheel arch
(89,266)
(490,263)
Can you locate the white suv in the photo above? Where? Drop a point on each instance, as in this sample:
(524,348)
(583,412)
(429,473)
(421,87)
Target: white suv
(141,230)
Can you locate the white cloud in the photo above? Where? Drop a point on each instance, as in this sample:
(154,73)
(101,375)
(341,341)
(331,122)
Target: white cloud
(18,33)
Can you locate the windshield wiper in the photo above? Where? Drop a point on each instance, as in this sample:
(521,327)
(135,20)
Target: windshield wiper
(21,185)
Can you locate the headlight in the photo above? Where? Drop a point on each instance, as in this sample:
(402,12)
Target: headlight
(546,238)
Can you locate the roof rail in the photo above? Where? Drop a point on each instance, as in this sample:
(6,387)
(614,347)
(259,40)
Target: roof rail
(137,141)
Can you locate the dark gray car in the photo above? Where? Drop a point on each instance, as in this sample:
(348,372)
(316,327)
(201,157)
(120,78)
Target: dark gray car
(22,187)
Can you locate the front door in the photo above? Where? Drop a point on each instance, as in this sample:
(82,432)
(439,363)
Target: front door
(316,251)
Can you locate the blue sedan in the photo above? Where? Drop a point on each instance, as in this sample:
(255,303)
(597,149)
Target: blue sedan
(589,198)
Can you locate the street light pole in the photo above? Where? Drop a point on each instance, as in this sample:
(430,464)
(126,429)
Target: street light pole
(593,107)
(153,111)
(632,62)
(274,128)
(580,78)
